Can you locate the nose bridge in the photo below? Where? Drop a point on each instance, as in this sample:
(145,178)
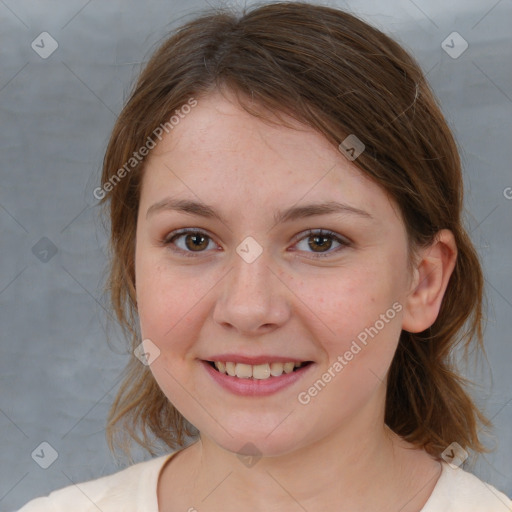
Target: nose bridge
(251,278)
(252,297)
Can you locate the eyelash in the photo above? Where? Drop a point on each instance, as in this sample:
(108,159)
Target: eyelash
(169,241)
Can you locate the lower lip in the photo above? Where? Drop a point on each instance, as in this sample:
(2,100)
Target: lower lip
(256,387)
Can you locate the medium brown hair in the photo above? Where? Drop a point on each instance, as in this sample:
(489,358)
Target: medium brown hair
(335,73)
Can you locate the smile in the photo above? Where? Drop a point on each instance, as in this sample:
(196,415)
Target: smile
(257,371)
(261,379)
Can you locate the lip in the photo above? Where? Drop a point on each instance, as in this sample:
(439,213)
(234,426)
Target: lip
(256,387)
(262,359)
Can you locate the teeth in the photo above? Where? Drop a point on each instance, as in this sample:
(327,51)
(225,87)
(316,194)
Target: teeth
(230,368)
(243,371)
(288,367)
(258,371)
(261,371)
(276,369)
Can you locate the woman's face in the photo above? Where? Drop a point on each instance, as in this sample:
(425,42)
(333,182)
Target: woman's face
(251,284)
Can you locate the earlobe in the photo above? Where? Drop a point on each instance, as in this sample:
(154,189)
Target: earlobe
(432,272)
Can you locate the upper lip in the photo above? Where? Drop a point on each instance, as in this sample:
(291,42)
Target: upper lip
(254,360)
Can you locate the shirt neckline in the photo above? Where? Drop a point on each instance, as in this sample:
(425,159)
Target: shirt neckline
(149,485)
(160,462)
(434,495)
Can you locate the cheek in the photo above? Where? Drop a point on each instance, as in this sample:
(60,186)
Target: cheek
(366,321)
(162,300)
(360,312)
(170,310)
(171,304)
(350,301)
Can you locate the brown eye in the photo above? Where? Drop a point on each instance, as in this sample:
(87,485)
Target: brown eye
(322,242)
(196,241)
(189,241)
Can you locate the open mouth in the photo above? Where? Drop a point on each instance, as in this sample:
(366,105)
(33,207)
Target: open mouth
(258,371)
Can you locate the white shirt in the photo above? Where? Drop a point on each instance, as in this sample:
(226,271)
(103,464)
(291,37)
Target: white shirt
(134,489)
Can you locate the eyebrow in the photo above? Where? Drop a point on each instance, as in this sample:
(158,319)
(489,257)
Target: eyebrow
(288,215)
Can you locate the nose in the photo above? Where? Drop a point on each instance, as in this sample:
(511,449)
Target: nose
(253,300)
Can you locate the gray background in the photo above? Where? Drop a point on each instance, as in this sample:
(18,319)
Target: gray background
(58,374)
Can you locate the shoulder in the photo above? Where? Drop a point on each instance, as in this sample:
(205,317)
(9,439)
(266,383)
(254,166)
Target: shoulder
(133,488)
(460,491)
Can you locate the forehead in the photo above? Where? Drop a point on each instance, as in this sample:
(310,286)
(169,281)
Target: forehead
(219,150)
(219,126)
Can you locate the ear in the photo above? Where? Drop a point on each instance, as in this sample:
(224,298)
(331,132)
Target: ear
(432,271)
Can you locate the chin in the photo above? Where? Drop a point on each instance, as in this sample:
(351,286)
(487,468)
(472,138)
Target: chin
(257,443)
